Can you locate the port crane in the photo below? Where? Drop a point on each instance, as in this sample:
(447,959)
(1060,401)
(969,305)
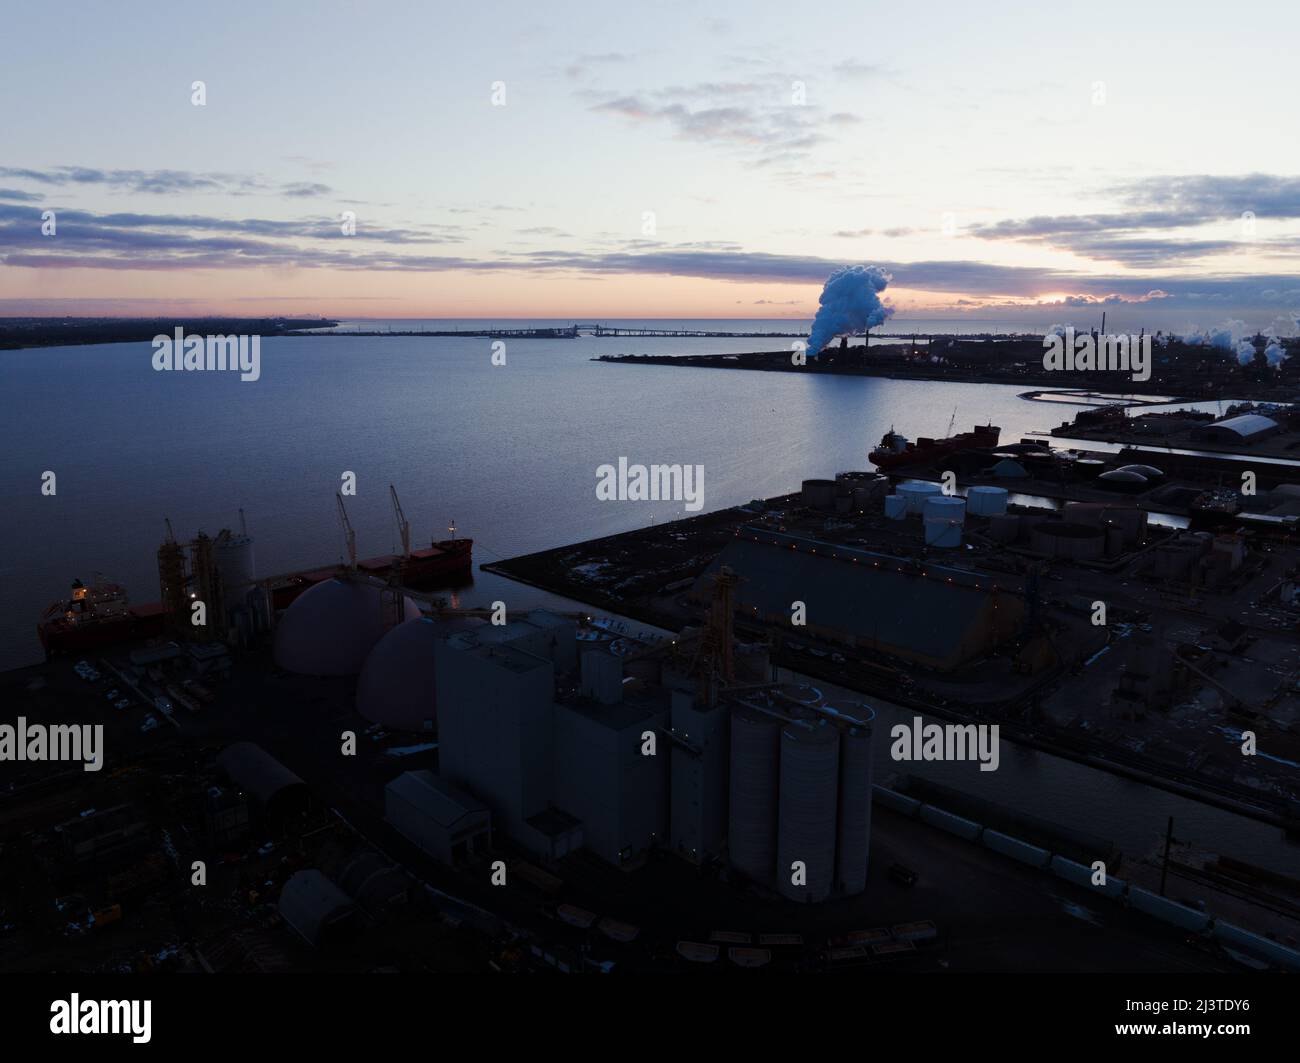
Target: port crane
(349,535)
(403,525)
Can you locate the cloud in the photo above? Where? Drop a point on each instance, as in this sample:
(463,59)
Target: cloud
(1163,203)
(581,66)
(162,182)
(756,118)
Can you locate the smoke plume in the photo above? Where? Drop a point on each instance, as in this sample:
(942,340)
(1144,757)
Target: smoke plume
(850,303)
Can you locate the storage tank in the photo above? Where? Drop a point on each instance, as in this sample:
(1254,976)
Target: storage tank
(755,776)
(941,533)
(233,556)
(916,493)
(945,507)
(1079,542)
(819,494)
(396,687)
(986,501)
(854,824)
(331,628)
(1123,480)
(806,822)
(895,507)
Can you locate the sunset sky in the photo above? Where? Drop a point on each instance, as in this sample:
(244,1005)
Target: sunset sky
(671,160)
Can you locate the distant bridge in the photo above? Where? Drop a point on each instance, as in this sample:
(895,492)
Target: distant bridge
(563,332)
(572,332)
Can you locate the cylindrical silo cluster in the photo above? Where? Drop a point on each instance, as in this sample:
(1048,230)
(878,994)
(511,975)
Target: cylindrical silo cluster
(755,777)
(807,810)
(800,794)
(854,820)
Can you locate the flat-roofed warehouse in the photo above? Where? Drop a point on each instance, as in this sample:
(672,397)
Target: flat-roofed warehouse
(936,616)
(1238,431)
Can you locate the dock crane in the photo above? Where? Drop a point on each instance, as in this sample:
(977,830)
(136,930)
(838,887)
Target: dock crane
(350,536)
(403,525)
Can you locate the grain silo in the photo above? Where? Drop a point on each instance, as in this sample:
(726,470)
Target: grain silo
(755,776)
(854,822)
(805,843)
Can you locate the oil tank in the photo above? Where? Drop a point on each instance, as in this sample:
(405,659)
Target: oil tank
(944,507)
(895,507)
(986,501)
(916,493)
(810,753)
(854,823)
(943,533)
(1079,542)
(755,775)
(819,494)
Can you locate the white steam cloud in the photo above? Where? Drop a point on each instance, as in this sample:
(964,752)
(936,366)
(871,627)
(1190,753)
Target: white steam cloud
(850,302)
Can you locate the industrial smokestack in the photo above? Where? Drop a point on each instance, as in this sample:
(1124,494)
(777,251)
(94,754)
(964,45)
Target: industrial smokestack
(849,302)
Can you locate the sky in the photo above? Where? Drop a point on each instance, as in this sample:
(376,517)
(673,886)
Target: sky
(597,160)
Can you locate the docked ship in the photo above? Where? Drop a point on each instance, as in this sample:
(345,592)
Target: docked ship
(896,450)
(97,615)
(443,561)
(222,569)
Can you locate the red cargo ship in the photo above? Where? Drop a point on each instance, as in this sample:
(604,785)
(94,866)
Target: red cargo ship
(442,561)
(98,615)
(895,450)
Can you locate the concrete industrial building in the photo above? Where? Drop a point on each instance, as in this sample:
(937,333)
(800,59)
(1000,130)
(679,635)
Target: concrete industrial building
(935,616)
(634,746)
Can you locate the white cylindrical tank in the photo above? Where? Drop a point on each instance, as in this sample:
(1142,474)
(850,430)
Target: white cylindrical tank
(986,501)
(755,776)
(805,842)
(945,507)
(895,507)
(942,533)
(233,556)
(917,493)
(854,824)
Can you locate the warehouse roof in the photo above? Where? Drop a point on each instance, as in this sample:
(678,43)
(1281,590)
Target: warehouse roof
(253,769)
(1247,424)
(439,800)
